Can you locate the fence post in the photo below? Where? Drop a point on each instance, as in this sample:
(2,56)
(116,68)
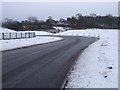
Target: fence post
(16,35)
(89,34)
(29,34)
(21,35)
(34,34)
(83,34)
(98,35)
(25,35)
(9,35)
(3,36)
(94,34)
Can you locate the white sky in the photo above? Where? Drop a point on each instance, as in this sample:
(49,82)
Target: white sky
(60,0)
(41,10)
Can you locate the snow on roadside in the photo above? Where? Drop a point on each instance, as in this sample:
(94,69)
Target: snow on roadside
(97,67)
(60,28)
(5,30)
(18,43)
(39,32)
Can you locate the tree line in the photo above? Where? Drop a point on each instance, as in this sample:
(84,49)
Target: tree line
(75,22)
(31,24)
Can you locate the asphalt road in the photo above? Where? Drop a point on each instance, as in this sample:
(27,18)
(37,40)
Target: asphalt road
(42,66)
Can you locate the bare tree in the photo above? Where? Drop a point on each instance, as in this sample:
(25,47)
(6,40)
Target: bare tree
(32,23)
(32,19)
(78,15)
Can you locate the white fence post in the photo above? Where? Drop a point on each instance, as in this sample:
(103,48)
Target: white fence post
(94,34)
(89,34)
(83,34)
(98,35)
(9,35)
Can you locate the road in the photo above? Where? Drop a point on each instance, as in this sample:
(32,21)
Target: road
(42,66)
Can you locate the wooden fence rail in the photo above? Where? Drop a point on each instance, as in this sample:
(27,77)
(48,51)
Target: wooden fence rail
(7,36)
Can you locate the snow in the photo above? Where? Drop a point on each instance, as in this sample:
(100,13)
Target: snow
(39,32)
(5,30)
(59,28)
(19,43)
(88,32)
(97,66)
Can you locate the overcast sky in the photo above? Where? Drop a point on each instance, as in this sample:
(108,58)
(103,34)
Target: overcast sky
(41,10)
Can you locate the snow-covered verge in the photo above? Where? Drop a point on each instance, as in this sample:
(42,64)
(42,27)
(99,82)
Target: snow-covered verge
(97,66)
(59,28)
(19,43)
(5,30)
(38,32)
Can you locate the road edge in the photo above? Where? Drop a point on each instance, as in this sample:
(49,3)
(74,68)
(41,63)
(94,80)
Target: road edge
(32,45)
(66,79)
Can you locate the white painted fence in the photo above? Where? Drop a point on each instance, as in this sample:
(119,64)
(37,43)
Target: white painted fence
(6,36)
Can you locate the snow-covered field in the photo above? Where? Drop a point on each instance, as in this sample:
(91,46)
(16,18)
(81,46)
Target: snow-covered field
(38,32)
(59,28)
(19,43)
(97,67)
(5,30)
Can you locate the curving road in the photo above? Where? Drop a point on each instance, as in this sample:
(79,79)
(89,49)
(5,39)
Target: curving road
(42,66)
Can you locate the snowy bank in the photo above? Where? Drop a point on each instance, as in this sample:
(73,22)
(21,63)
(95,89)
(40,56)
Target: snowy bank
(18,43)
(39,32)
(5,30)
(97,66)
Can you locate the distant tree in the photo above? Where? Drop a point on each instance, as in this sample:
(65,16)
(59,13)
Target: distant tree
(73,22)
(32,19)
(80,21)
(118,22)
(62,21)
(108,19)
(92,20)
(76,22)
(32,23)
(50,18)
(11,24)
(78,15)
(50,22)
(93,15)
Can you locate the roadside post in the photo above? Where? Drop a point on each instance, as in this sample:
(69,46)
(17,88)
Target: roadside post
(89,34)
(3,36)
(94,34)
